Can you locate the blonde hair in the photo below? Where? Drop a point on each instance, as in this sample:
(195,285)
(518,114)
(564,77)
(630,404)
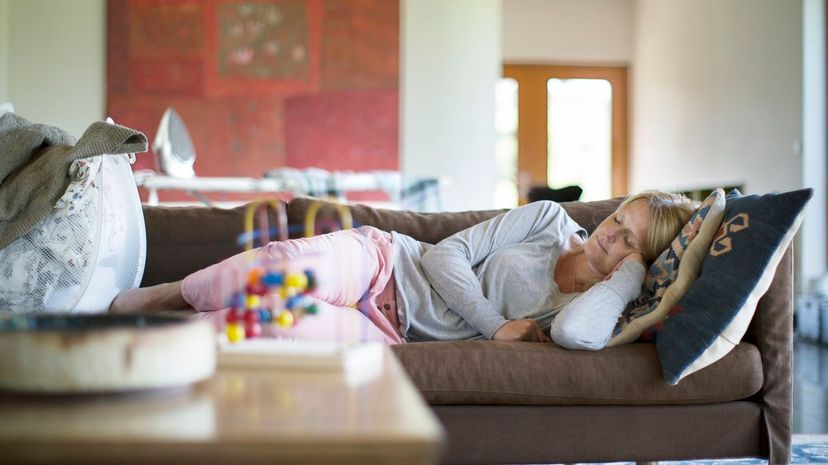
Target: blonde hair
(668,213)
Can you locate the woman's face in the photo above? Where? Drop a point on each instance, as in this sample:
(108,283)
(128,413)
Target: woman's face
(622,233)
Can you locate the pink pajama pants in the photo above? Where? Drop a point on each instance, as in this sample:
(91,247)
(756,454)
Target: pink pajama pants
(353,268)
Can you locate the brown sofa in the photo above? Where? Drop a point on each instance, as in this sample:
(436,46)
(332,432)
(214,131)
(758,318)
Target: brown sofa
(538,403)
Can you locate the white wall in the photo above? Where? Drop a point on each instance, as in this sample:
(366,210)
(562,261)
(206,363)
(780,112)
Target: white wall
(56,61)
(717,94)
(450,62)
(716,85)
(568,32)
(813,232)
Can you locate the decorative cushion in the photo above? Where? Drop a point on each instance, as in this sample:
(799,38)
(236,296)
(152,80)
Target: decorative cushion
(666,281)
(714,314)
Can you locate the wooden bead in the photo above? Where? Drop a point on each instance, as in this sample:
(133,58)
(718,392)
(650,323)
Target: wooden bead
(287,292)
(311,276)
(254,275)
(285,319)
(252,330)
(235,332)
(239,300)
(311,309)
(264,315)
(273,279)
(293,302)
(253,301)
(297,280)
(251,316)
(256,289)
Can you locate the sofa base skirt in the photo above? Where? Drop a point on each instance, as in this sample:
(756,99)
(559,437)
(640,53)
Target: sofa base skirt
(498,434)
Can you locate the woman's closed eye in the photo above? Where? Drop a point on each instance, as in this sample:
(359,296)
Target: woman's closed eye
(616,218)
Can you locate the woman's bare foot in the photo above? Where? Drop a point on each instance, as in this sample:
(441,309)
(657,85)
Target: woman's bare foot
(158,298)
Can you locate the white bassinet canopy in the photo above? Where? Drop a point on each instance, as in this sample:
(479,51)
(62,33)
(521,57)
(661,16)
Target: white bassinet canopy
(91,247)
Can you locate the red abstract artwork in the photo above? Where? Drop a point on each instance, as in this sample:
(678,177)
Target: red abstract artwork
(260,84)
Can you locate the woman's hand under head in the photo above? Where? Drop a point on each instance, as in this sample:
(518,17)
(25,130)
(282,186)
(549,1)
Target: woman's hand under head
(521,330)
(635,256)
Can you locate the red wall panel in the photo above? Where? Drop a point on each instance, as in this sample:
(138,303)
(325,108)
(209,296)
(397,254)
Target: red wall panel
(260,84)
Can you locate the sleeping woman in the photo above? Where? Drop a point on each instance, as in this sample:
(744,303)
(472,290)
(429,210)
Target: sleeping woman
(529,274)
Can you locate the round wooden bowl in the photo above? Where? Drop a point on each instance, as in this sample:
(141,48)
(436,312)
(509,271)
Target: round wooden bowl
(65,354)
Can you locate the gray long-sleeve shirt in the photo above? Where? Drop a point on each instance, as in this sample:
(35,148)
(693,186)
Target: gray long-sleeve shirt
(472,283)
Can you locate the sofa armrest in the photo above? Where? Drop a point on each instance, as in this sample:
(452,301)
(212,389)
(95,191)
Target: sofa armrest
(181,240)
(771,331)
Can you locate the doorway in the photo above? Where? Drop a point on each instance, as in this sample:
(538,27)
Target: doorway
(559,126)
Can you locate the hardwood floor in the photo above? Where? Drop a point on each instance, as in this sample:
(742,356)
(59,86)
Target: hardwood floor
(810,387)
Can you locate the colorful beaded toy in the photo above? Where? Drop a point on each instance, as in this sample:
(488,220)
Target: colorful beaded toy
(289,289)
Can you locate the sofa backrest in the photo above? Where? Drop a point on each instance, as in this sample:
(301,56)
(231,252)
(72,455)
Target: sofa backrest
(434,227)
(181,240)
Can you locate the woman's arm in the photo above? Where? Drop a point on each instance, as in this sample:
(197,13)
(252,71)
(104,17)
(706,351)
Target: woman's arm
(587,322)
(449,264)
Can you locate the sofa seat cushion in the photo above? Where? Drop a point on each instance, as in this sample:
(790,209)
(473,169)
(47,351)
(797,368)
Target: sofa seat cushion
(523,373)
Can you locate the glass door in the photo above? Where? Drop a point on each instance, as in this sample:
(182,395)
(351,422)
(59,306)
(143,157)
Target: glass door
(579,135)
(561,126)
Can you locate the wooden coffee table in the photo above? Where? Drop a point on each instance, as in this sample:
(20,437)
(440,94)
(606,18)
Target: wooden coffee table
(240,416)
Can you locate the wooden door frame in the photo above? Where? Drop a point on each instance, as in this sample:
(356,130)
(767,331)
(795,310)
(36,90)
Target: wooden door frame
(532,119)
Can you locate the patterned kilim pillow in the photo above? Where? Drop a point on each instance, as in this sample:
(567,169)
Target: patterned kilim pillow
(666,282)
(715,313)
